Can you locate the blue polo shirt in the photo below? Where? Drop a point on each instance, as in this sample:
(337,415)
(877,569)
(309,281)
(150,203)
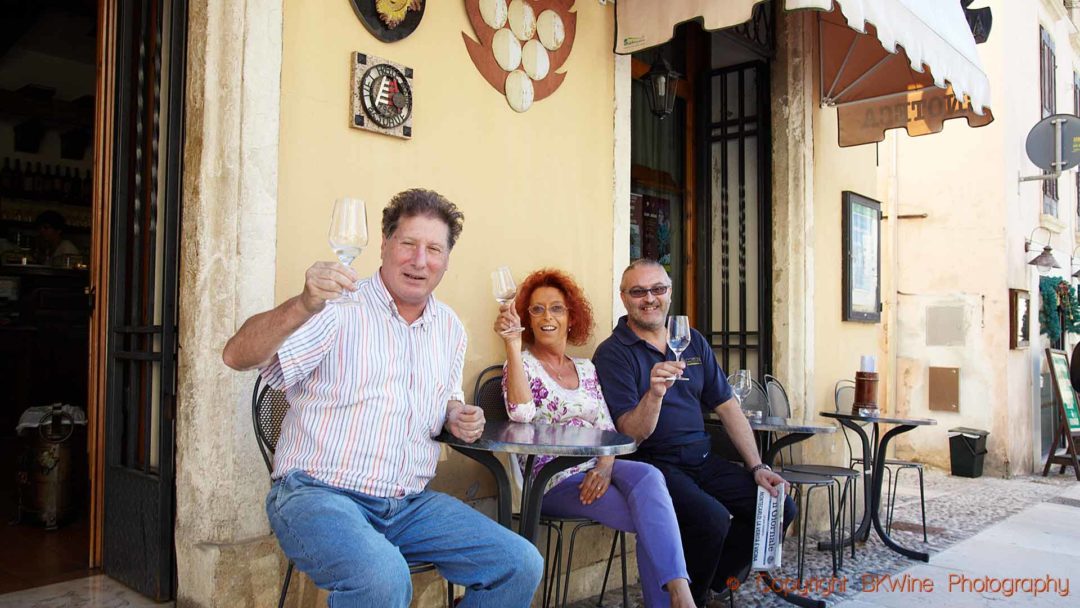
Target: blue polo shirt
(623,362)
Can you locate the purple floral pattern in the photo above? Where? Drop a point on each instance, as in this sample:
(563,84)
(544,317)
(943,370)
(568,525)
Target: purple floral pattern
(553,403)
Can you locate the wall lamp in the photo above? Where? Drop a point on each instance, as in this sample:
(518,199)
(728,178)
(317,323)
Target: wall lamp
(1045,261)
(663,84)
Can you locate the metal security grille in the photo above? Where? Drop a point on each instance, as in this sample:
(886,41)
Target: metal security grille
(144,233)
(735,245)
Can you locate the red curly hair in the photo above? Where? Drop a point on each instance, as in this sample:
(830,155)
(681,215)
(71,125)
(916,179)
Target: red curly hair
(578,310)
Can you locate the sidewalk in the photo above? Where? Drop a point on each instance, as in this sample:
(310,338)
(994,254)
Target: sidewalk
(1029,559)
(979,527)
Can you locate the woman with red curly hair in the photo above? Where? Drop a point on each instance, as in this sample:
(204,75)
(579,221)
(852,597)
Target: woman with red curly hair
(542,384)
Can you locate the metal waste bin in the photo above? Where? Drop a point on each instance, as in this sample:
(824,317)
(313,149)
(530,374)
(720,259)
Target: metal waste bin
(47,492)
(967,450)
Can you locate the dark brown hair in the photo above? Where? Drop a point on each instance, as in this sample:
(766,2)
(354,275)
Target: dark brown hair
(578,310)
(418,201)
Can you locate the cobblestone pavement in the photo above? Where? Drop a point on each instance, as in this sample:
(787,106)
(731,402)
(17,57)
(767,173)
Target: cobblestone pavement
(956,509)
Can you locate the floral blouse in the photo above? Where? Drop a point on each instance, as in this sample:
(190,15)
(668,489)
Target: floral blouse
(554,404)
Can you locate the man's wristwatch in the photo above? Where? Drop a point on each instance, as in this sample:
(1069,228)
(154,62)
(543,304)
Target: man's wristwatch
(757,467)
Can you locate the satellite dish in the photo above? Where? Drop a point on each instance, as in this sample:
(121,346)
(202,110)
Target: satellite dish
(1042,141)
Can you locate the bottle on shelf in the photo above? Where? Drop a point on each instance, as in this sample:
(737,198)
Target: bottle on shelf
(7,178)
(39,182)
(27,189)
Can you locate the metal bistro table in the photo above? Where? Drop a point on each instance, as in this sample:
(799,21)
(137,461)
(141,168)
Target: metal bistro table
(569,445)
(872,491)
(794,433)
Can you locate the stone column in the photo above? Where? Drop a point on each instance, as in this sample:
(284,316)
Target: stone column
(793,96)
(224,551)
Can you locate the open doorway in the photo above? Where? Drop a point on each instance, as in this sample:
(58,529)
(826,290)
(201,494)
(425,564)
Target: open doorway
(701,183)
(48,80)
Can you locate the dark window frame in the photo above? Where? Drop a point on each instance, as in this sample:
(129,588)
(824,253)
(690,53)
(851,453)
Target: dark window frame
(1048,106)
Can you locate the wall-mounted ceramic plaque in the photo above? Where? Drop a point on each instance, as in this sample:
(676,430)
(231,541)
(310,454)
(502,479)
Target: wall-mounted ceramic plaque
(521,46)
(389,20)
(382,96)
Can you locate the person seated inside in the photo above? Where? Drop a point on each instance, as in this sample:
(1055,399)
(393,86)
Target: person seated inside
(714,499)
(51,226)
(542,384)
(370,382)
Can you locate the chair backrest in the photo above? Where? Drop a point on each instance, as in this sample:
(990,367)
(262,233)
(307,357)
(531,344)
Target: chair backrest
(488,394)
(777,396)
(844,396)
(268,407)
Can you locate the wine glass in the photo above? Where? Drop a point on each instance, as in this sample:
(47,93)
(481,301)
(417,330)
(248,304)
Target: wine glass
(505,290)
(348,234)
(741,385)
(678,327)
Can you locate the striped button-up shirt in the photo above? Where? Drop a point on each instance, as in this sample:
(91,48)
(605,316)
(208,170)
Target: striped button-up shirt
(367,392)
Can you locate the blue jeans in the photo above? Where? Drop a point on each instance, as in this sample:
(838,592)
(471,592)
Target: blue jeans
(359,546)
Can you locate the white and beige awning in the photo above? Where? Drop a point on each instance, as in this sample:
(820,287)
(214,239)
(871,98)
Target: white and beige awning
(883,63)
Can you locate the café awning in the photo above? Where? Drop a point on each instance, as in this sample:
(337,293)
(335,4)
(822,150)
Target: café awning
(883,63)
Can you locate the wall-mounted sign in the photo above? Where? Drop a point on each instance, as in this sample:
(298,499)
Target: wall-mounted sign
(521,45)
(382,96)
(921,112)
(389,20)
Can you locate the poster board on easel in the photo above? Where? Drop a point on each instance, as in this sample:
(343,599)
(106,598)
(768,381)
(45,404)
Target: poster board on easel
(1068,415)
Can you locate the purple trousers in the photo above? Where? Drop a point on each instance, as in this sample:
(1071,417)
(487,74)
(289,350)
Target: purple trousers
(637,501)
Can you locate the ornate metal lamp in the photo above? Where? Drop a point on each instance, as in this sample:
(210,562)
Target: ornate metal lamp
(663,84)
(1045,261)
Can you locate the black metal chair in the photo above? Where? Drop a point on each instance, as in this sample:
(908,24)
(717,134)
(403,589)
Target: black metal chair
(846,478)
(488,395)
(843,398)
(268,408)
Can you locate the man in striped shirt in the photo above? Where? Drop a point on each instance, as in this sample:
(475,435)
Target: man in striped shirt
(369,384)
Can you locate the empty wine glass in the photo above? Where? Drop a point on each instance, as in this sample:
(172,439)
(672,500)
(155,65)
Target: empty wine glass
(348,234)
(505,290)
(741,385)
(678,327)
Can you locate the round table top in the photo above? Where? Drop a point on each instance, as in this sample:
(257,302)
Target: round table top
(789,425)
(779,424)
(549,439)
(881,419)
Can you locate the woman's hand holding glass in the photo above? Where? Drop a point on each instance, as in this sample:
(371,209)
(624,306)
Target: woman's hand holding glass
(508,325)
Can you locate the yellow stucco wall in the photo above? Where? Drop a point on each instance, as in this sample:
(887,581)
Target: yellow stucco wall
(839,344)
(536,188)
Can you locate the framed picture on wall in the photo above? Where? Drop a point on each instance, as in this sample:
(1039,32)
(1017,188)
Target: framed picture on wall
(861,258)
(1019,315)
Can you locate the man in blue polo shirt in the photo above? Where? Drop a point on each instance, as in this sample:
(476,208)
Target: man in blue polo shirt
(714,499)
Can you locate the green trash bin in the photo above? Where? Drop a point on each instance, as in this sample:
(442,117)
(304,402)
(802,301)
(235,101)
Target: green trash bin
(967,450)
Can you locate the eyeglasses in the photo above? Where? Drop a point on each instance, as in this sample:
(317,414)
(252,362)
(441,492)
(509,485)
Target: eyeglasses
(639,292)
(538,310)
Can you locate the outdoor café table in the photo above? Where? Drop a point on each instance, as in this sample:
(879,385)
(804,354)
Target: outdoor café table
(794,430)
(872,491)
(570,445)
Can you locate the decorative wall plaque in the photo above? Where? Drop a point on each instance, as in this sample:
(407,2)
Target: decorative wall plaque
(521,45)
(382,96)
(389,20)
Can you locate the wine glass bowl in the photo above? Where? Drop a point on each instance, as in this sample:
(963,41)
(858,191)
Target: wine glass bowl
(741,384)
(348,234)
(504,289)
(678,327)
